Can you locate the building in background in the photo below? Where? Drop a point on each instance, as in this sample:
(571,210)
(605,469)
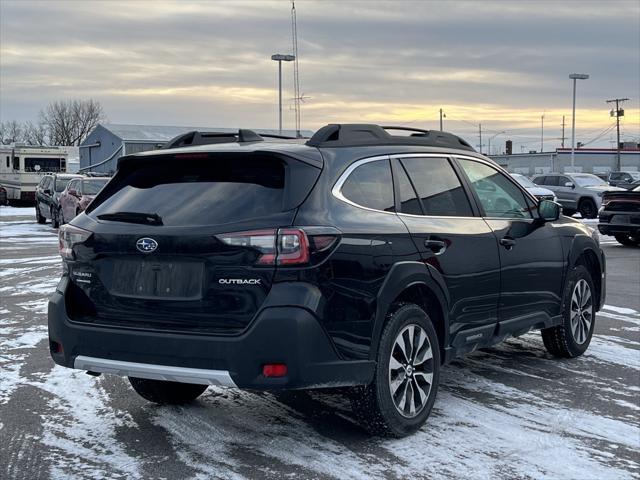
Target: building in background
(100,151)
(588,160)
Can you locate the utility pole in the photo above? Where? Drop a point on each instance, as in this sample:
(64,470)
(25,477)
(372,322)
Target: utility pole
(480,135)
(618,112)
(542,134)
(563,137)
(442,115)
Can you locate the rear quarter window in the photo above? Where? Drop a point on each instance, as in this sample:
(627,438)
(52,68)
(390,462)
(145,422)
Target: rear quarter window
(370,185)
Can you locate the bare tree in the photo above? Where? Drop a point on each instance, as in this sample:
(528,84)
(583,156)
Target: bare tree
(35,134)
(10,131)
(69,122)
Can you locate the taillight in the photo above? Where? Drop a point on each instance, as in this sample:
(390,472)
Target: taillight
(293,247)
(264,241)
(286,246)
(68,237)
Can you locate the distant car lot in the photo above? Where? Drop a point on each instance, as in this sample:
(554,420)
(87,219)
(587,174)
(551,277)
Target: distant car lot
(580,415)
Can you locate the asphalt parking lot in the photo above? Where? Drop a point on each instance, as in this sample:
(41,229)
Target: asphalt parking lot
(509,412)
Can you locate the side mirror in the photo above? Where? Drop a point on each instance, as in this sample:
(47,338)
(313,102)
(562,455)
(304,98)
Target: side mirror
(569,184)
(549,211)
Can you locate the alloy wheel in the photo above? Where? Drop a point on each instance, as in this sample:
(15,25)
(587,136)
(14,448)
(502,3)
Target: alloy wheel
(581,311)
(411,371)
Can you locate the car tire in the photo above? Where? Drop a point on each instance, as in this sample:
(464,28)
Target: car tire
(376,407)
(166,393)
(55,219)
(572,338)
(39,218)
(626,240)
(587,208)
(568,212)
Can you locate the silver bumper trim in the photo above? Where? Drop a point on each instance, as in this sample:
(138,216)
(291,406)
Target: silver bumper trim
(155,372)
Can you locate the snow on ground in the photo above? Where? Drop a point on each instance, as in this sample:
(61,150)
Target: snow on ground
(509,412)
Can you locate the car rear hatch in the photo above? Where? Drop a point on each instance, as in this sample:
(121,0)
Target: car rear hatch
(186,242)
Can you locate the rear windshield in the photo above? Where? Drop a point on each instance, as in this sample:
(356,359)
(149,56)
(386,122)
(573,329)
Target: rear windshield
(198,192)
(92,187)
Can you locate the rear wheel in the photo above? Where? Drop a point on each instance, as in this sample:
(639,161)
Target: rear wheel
(627,240)
(39,218)
(164,392)
(587,208)
(401,396)
(571,338)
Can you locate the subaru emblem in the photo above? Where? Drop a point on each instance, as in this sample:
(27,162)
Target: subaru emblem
(146,245)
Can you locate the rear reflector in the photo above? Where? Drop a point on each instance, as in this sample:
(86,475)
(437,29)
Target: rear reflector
(274,370)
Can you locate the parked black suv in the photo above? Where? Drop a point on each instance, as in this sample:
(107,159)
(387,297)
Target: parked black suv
(47,195)
(357,258)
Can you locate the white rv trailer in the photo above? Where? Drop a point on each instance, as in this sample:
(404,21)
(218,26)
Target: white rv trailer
(22,167)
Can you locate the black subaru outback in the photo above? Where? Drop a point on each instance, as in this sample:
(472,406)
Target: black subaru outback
(356,259)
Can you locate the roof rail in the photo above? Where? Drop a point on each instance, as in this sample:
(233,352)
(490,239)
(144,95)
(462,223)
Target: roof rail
(359,135)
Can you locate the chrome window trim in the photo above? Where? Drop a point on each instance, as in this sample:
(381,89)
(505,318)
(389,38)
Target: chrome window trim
(336,191)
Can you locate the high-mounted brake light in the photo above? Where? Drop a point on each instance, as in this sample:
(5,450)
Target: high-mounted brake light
(68,237)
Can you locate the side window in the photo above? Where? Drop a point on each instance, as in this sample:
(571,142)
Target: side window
(46,183)
(438,187)
(563,180)
(552,180)
(498,195)
(370,185)
(409,202)
(8,161)
(539,180)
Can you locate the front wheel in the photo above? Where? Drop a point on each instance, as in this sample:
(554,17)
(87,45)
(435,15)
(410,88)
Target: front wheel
(401,396)
(39,218)
(166,393)
(587,208)
(572,338)
(55,218)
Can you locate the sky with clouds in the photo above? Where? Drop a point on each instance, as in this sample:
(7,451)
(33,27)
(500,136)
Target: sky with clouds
(500,63)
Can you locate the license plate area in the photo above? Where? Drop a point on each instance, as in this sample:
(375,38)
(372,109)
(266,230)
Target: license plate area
(158,279)
(620,219)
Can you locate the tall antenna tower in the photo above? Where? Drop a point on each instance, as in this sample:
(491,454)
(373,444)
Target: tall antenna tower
(296,77)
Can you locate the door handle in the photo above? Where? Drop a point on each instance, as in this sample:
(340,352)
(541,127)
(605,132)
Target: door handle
(436,246)
(507,242)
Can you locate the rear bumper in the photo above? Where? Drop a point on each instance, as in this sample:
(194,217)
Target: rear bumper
(612,223)
(280,334)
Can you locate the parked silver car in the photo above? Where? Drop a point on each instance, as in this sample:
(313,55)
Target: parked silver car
(581,192)
(537,191)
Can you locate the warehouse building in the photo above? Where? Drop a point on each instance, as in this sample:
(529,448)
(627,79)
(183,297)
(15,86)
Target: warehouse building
(587,160)
(100,151)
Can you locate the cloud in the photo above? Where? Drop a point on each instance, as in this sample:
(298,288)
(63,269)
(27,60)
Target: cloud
(499,63)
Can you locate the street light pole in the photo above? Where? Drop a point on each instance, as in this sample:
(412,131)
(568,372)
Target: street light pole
(278,57)
(574,77)
(491,138)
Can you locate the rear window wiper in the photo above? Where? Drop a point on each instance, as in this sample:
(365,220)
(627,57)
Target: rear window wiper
(133,217)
